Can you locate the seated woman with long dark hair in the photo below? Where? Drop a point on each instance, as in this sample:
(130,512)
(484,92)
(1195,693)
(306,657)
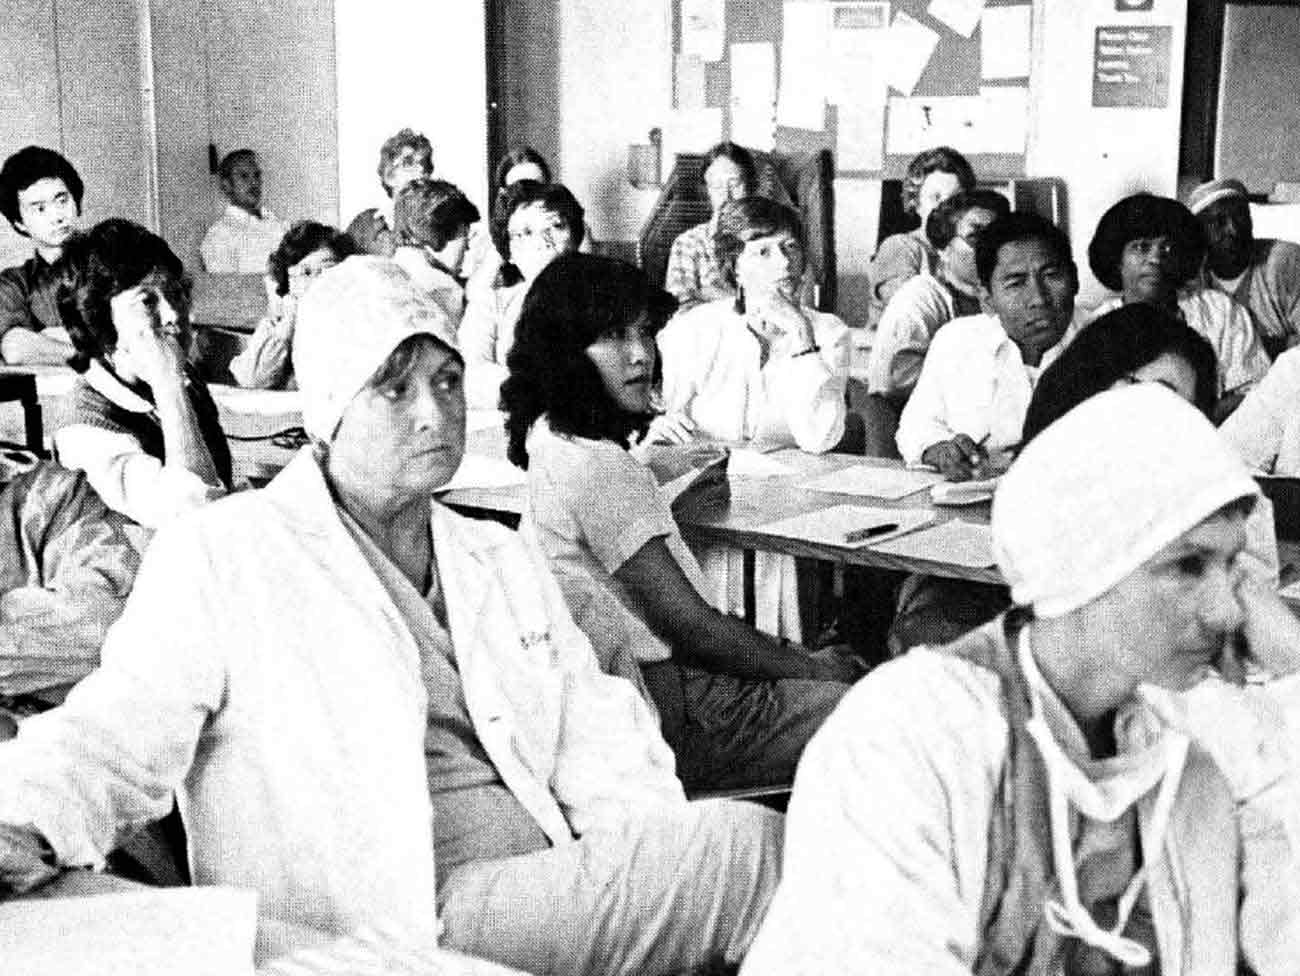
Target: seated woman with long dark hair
(736,705)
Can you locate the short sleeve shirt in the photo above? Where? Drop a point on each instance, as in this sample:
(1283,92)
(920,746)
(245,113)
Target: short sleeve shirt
(593,506)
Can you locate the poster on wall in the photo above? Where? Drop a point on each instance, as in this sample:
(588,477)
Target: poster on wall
(704,28)
(1131,67)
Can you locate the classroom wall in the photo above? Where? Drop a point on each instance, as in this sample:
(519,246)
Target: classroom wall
(239,73)
(70,80)
(615,83)
(410,63)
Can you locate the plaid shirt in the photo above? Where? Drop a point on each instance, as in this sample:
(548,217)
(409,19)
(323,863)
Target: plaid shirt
(693,274)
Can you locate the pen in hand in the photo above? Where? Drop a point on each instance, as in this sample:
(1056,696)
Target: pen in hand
(861,535)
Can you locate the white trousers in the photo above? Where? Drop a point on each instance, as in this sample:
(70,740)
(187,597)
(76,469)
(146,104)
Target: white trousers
(660,894)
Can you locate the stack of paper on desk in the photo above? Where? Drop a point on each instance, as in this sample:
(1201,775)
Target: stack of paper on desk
(849,526)
(890,484)
(954,542)
(151,932)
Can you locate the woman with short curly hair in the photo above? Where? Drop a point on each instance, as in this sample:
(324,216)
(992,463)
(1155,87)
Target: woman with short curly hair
(932,177)
(1149,249)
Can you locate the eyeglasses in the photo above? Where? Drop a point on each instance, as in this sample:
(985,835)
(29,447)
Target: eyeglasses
(549,233)
(1149,246)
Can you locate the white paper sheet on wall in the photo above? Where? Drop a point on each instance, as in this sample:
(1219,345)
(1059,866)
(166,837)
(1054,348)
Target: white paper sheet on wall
(1005,42)
(1005,119)
(961,15)
(753,94)
(802,103)
(910,44)
(691,81)
(691,132)
(860,132)
(855,34)
(994,121)
(704,28)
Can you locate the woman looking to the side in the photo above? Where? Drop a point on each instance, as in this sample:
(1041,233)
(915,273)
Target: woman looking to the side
(736,705)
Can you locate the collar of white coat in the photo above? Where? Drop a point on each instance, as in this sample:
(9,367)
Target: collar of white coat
(104,382)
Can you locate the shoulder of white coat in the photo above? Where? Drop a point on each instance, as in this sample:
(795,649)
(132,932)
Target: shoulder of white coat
(926,696)
(698,325)
(970,332)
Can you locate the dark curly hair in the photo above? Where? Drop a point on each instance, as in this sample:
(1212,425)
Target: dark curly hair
(1144,216)
(302,240)
(941,225)
(30,165)
(1111,348)
(519,156)
(576,299)
(1013,228)
(431,212)
(97,264)
(553,197)
(941,159)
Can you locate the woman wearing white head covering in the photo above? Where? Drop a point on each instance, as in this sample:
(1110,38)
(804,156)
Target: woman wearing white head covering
(346,683)
(1006,804)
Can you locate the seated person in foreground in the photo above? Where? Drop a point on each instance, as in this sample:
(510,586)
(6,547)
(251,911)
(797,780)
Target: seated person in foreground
(932,177)
(40,196)
(979,374)
(144,427)
(375,710)
(1035,798)
(924,303)
(245,234)
(433,219)
(761,366)
(1150,249)
(66,567)
(306,251)
(534,223)
(735,704)
(1262,274)
(405,156)
(693,275)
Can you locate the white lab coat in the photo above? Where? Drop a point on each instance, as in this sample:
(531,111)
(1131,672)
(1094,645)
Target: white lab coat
(262,670)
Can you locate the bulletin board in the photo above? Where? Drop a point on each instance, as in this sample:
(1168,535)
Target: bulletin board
(967,90)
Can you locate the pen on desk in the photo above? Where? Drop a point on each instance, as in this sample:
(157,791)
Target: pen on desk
(861,535)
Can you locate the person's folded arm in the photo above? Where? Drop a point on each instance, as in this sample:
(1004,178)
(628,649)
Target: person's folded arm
(130,481)
(810,391)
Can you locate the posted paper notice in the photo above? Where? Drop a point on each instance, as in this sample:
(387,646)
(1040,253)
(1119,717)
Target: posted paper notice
(963,16)
(910,44)
(1005,42)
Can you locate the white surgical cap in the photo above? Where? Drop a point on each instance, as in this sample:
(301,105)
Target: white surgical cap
(348,324)
(1105,488)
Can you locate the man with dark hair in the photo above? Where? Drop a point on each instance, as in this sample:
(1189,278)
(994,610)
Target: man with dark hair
(40,195)
(245,233)
(979,373)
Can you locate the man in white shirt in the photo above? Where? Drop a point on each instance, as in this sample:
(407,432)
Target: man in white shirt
(970,401)
(243,236)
